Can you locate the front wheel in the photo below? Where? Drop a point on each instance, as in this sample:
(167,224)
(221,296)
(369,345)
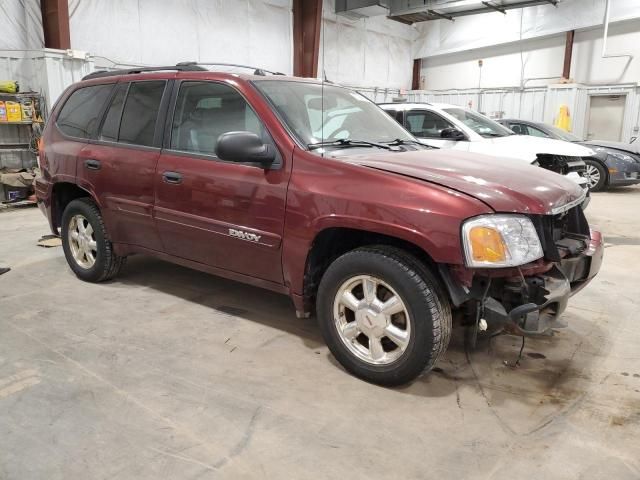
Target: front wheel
(383,315)
(596,175)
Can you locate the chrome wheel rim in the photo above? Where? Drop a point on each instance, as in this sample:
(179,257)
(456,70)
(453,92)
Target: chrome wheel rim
(593,175)
(371,320)
(82,242)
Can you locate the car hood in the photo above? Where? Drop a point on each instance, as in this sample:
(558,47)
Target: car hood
(526,147)
(511,187)
(625,147)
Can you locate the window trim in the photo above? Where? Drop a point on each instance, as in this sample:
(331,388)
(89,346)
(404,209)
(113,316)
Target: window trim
(102,111)
(168,127)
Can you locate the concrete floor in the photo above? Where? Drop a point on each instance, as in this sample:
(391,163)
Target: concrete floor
(167,373)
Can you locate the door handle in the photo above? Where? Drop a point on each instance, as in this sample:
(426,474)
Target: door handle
(92,164)
(172,177)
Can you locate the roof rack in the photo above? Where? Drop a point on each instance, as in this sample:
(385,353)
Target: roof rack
(256,70)
(181,67)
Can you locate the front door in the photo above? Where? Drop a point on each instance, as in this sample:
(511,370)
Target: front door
(427,127)
(223,214)
(606,113)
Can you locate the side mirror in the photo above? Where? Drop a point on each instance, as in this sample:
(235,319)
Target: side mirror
(452,134)
(244,147)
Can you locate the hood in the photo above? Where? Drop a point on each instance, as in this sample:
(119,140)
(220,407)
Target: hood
(526,147)
(504,185)
(625,147)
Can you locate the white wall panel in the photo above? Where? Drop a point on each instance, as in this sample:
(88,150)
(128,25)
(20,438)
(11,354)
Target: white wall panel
(20,25)
(541,58)
(441,37)
(365,52)
(145,32)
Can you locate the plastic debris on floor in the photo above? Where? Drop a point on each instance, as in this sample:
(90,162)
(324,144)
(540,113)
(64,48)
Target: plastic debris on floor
(48,241)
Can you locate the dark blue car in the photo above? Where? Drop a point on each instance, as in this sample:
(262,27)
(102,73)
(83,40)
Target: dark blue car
(615,163)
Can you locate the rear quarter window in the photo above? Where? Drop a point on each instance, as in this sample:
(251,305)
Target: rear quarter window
(80,114)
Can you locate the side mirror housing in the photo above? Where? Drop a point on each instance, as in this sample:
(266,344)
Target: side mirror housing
(244,147)
(452,134)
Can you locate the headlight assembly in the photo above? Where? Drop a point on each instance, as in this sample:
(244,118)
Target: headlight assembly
(622,156)
(498,241)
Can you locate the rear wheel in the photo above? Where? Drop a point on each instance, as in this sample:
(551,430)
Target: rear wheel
(596,175)
(383,315)
(86,246)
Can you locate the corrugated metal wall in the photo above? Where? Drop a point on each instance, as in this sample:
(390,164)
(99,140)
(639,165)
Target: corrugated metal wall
(540,104)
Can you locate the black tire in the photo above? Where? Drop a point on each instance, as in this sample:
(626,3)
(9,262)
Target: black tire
(427,305)
(602,182)
(107,264)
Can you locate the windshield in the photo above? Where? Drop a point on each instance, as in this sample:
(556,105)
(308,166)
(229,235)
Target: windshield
(562,135)
(338,114)
(479,123)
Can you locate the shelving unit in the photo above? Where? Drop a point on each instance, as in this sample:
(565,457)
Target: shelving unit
(16,139)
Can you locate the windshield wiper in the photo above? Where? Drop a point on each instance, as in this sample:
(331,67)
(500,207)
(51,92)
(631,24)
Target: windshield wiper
(347,142)
(399,141)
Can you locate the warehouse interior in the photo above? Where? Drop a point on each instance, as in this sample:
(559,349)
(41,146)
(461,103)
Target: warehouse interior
(188,361)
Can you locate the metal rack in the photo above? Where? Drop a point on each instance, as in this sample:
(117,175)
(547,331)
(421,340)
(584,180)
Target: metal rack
(18,138)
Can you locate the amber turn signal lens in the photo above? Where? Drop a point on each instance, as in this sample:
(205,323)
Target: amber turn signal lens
(487,245)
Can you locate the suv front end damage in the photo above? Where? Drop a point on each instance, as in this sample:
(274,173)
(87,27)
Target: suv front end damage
(529,299)
(573,168)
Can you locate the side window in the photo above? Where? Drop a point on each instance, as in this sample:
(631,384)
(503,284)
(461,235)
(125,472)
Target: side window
(111,123)
(426,124)
(536,132)
(206,110)
(518,128)
(80,114)
(140,113)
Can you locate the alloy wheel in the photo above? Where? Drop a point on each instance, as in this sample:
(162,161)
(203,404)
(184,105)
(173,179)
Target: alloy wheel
(82,242)
(372,320)
(593,176)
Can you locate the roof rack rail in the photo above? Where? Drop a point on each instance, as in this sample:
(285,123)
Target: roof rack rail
(256,70)
(187,67)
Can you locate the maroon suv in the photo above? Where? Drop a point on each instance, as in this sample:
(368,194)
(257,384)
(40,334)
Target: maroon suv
(313,191)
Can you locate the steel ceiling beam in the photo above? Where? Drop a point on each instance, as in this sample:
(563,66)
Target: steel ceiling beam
(425,10)
(496,8)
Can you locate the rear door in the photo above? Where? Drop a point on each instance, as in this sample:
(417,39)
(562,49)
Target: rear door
(223,214)
(120,162)
(75,124)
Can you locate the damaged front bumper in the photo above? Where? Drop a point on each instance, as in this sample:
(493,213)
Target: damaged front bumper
(528,300)
(551,293)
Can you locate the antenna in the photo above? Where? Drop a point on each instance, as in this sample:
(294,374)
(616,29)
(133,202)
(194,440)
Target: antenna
(324,77)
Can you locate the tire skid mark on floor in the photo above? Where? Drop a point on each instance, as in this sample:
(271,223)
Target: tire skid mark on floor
(18,382)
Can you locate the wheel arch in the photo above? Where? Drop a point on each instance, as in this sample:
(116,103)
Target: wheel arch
(63,193)
(332,242)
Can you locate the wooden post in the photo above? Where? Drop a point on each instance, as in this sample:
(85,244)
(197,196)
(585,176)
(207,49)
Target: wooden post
(568,52)
(307,22)
(415,81)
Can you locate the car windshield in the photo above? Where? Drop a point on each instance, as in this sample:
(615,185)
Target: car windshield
(562,135)
(479,123)
(319,114)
